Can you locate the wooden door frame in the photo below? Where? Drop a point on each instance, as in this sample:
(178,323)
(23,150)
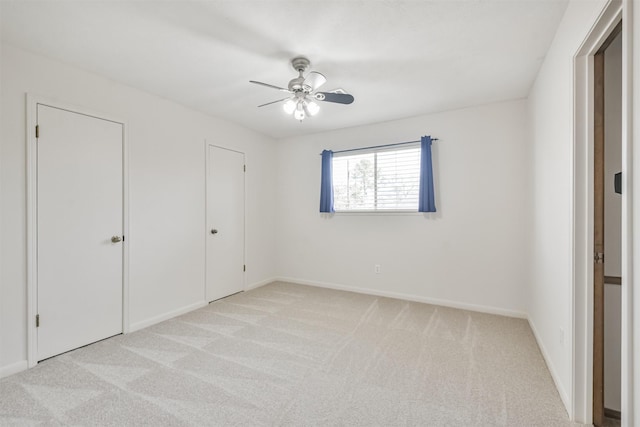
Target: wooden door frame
(32,102)
(598,238)
(598,224)
(206,214)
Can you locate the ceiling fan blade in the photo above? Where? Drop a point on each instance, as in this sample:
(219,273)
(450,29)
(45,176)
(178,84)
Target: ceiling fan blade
(314,80)
(268,85)
(340,98)
(274,102)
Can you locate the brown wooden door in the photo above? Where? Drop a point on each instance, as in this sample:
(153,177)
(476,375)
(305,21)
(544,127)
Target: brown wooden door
(598,243)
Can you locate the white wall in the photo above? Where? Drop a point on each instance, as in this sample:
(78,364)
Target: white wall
(551,152)
(472,253)
(612,223)
(167,204)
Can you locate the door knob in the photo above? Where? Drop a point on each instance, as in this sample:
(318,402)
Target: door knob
(116,239)
(214,231)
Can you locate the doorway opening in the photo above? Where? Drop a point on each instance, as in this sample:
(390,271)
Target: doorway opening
(607,230)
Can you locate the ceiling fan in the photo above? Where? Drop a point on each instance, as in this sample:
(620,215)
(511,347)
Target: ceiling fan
(303,92)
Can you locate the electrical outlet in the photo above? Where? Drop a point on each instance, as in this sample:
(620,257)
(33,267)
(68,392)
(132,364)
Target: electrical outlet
(376,268)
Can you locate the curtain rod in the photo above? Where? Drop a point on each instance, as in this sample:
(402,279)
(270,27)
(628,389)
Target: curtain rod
(380,146)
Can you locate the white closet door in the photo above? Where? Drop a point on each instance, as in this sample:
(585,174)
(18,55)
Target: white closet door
(225,220)
(79,210)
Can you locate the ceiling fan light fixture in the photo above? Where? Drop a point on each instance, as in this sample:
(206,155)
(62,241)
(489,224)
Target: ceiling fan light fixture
(289,107)
(299,113)
(312,108)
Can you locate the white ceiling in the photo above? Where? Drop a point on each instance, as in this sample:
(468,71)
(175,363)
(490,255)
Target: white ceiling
(399,58)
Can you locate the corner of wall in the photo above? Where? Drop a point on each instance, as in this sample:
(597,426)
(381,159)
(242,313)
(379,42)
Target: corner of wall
(552,369)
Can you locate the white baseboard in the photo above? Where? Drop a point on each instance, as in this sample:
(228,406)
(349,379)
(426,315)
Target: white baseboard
(13,368)
(409,297)
(554,373)
(165,316)
(260,283)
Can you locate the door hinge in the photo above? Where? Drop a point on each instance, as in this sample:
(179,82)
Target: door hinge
(598,257)
(37,131)
(245,168)
(37,320)
(244,267)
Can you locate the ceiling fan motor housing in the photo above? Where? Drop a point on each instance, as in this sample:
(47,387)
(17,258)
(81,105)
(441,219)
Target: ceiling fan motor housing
(295,85)
(300,64)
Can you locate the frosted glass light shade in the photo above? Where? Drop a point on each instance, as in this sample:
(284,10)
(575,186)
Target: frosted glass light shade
(289,106)
(313,108)
(299,114)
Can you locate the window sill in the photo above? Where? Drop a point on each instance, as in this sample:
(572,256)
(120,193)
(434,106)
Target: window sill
(380,212)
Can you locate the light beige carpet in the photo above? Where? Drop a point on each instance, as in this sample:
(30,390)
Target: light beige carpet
(293,355)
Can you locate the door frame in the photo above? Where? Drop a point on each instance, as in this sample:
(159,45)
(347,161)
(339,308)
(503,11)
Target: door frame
(206,214)
(599,225)
(32,102)
(598,240)
(583,215)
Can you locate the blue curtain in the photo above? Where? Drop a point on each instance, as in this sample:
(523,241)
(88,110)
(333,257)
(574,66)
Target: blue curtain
(426,202)
(326,183)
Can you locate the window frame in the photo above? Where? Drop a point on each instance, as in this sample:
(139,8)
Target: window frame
(375,150)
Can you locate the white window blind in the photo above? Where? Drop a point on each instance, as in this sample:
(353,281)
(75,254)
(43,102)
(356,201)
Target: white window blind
(377,180)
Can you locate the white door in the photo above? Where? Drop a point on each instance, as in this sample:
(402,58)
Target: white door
(79,210)
(225,222)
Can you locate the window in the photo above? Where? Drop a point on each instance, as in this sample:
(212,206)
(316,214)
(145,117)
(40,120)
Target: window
(378,180)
